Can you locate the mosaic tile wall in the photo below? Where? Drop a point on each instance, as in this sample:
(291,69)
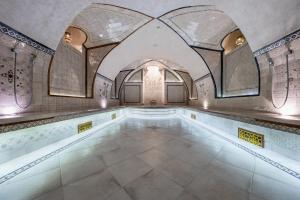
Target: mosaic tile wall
(67,72)
(287,144)
(189,83)
(240,75)
(273,85)
(16,74)
(16,143)
(213,60)
(94,58)
(118,82)
(284,76)
(37,88)
(102,90)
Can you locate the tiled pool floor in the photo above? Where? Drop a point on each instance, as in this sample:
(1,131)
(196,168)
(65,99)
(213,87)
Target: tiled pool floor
(138,159)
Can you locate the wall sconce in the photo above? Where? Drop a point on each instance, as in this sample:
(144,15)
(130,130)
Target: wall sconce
(67,37)
(240,41)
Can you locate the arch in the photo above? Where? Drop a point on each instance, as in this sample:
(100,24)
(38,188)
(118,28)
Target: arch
(141,66)
(90,74)
(216,77)
(164,44)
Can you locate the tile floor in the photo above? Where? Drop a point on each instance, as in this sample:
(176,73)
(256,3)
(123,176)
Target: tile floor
(139,159)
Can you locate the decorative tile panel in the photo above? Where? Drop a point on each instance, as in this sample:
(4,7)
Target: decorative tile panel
(16,76)
(289,38)
(17,143)
(25,39)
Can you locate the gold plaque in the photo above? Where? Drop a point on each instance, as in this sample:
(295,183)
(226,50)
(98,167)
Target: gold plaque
(252,137)
(85,126)
(114,116)
(193,116)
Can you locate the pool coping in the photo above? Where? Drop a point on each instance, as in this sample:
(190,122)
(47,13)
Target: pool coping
(259,120)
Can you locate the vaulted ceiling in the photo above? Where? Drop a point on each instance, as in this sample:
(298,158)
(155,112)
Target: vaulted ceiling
(153,30)
(262,22)
(155,41)
(107,24)
(203,26)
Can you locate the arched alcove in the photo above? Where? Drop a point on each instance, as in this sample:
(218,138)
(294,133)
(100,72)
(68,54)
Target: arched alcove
(152,83)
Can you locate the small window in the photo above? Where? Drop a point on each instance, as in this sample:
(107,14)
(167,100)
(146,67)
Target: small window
(233,40)
(75,37)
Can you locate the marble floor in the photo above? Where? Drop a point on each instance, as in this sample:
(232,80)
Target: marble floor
(138,159)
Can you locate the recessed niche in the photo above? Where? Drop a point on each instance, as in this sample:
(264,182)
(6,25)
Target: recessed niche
(75,37)
(233,40)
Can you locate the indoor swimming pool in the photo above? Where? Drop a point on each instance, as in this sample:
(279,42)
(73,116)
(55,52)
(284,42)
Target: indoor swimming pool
(148,154)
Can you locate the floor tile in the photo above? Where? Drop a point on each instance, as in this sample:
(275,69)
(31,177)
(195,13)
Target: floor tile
(129,170)
(75,171)
(154,157)
(57,194)
(119,195)
(270,189)
(95,187)
(187,196)
(31,187)
(239,158)
(115,156)
(179,171)
(174,147)
(153,185)
(139,159)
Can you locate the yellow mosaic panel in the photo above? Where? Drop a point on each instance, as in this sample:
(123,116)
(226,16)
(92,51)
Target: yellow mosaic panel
(85,126)
(193,116)
(252,137)
(114,116)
